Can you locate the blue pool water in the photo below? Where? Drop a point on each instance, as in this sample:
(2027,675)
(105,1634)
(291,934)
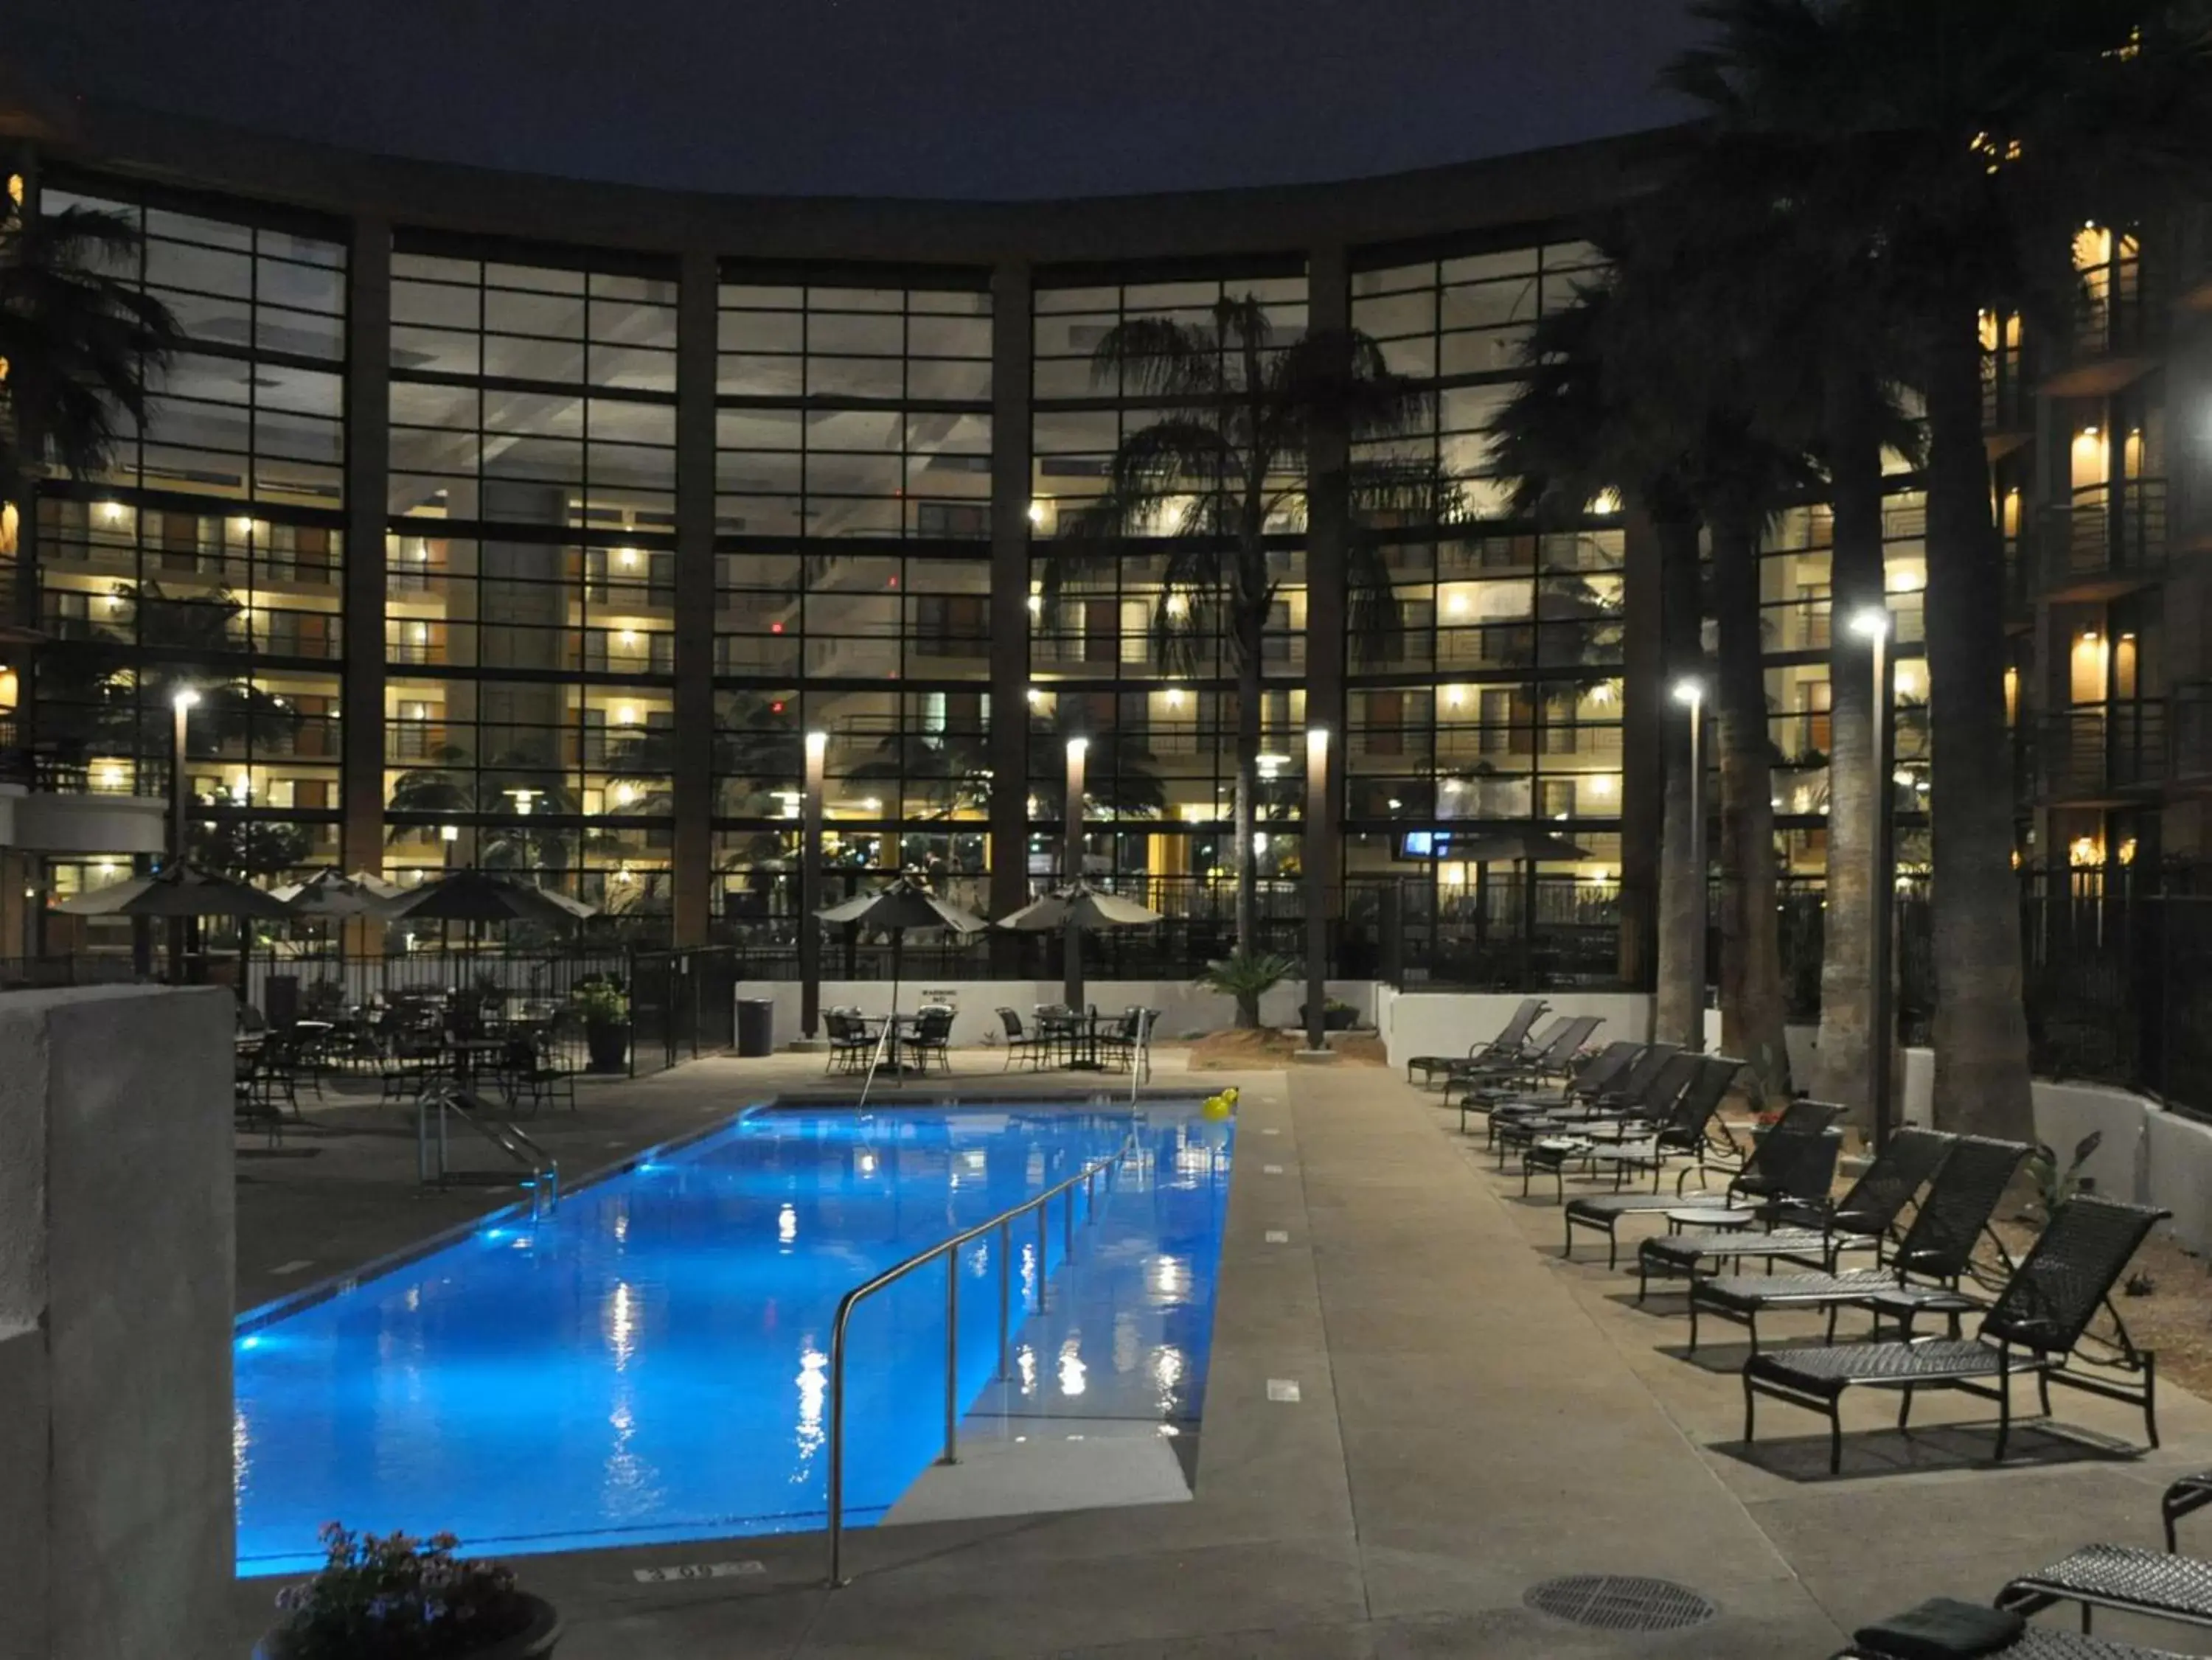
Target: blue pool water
(650,1363)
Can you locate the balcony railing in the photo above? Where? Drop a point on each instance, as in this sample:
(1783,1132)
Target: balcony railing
(2092,754)
(2107,532)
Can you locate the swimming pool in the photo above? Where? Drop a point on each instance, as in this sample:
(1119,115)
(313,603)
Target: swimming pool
(650,1362)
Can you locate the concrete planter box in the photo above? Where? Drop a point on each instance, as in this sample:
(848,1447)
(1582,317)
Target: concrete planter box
(535,1641)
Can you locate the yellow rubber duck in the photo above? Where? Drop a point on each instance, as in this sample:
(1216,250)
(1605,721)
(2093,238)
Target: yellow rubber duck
(1218,1107)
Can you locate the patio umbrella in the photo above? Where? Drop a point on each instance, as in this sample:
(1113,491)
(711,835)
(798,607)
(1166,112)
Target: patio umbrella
(331,893)
(1075,908)
(1523,844)
(903,904)
(474,896)
(176,890)
(179,891)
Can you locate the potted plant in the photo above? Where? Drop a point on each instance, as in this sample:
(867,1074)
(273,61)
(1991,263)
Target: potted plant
(605,1013)
(398,1598)
(1336,1015)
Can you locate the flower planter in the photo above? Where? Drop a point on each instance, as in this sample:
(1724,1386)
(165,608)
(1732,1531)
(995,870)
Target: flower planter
(609,1043)
(533,1640)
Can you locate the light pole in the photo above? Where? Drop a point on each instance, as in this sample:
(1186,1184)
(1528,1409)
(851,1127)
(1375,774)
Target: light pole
(810,888)
(1071,989)
(1691,693)
(1873,624)
(1316,872)
(181,703)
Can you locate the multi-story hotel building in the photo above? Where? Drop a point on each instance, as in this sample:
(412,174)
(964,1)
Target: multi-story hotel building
(530,522)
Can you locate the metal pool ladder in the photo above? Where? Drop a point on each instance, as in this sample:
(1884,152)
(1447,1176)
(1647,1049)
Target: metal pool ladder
(441,1101)
(1087,1178)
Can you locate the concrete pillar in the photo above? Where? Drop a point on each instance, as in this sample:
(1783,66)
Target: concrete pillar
(116,1235)
(1643,704)
(368,457)
(693,793)
(1328,538)
(1012,348)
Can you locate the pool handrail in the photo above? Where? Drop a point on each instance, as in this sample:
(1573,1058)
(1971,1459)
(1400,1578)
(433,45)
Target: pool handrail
(450,1098)
(949,1249)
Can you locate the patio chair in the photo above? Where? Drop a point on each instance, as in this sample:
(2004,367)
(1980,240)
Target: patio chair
(1119,1046)
(1509,1040)
(2156,1584)
(1550,1143)
(1598,1072)
(1862,1219)
(1988,1634)
(1506,1069)
(1795,1161)
(2189,1492)
(1556,1058)
(849,1044)
(932,1036)
(250,1112)
(1018,1041)
(527,1071)
(1924,1274)
(2033,1328)
(1651,1104)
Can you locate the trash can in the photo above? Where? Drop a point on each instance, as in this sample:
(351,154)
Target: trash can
(755,1027)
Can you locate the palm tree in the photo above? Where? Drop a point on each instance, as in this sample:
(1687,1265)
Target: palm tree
(79,340)
(1228,461)
(1947,153)
(1567,437)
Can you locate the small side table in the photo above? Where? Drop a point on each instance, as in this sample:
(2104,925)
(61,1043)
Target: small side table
(1551,1153)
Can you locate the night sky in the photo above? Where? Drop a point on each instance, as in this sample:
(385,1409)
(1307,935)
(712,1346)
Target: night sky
(949,98)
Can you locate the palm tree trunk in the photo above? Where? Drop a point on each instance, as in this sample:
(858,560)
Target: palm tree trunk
(1679,1005)
(1247,804)
(1854,581)
(1752,1007)
(1981,1029)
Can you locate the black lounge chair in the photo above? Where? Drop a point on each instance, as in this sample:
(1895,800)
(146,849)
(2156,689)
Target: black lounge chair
(1794,1163)
(1938,1248)
(1621,1091)
(1554,1052)
(2032,1329)
(1862,1218)
(1551,1144)
(2028,1642)
(1598,1072)
(1512,1041)
(2190,1492)
(2126,1577)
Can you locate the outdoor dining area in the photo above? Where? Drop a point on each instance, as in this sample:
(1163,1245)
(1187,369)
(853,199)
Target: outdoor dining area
(485,1036)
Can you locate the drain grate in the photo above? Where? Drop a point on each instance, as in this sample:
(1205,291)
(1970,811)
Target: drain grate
(1614,1602)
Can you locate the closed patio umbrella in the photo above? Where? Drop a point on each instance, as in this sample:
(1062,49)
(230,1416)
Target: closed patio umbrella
(1525,844)
(1078,906)
(904,904)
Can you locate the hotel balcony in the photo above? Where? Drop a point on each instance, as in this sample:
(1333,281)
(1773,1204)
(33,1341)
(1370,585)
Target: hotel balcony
(2113,755)
(2109,540)
(50,807)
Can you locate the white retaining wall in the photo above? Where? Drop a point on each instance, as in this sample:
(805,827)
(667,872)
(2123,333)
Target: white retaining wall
(1450,1023)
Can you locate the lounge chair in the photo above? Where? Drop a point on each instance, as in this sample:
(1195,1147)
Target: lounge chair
(1794,1163)
(1973,1630)
(1555,1056)
(1862,1218)
(1622,1094)
(1510,1041)
(1936,1249)
(2032,1329)
(2125,1578)
(1598,1072)
(2190,1492)
(1550,1143)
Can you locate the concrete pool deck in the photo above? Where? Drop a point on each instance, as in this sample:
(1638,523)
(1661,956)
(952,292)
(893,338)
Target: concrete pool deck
(1471,1415)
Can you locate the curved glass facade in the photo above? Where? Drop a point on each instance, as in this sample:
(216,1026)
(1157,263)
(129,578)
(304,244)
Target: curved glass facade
(490,512)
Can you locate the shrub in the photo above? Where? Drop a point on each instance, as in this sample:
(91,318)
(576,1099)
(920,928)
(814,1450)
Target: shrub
(397,1599)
